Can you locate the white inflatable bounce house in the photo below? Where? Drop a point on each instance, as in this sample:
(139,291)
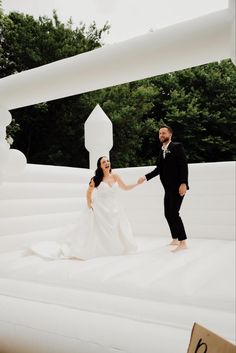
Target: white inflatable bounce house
(144,302)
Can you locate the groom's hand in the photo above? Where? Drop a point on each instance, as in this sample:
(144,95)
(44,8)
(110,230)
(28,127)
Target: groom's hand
(182,189)
(141,180)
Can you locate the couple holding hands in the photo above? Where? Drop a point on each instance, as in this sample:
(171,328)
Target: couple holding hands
(111,225)
(103,228)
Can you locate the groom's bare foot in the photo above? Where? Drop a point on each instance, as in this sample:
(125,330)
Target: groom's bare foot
(174,242)
(182,246)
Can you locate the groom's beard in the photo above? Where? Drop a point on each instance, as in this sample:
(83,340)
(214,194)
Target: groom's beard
(164,140)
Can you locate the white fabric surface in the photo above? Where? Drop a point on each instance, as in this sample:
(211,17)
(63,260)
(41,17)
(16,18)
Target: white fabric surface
(145,301)
(200,279)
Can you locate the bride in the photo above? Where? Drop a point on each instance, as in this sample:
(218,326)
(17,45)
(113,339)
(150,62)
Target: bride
(103,228)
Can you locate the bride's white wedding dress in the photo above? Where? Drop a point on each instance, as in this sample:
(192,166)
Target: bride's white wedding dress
(101,231)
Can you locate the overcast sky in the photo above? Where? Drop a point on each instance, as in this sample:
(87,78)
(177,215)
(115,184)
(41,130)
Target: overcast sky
(128,18)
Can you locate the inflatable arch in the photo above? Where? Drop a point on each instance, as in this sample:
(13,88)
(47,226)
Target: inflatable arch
(187,44)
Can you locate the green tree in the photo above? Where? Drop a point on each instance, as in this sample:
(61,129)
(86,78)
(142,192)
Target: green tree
(27,42)
(201,109)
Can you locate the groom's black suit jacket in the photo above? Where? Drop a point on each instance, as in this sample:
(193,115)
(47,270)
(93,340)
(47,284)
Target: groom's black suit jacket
(173,169)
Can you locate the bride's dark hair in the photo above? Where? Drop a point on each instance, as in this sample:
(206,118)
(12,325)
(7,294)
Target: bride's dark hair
(98,172)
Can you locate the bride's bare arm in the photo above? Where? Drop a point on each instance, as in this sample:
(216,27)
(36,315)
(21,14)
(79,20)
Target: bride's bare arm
(89,193)
(122,185)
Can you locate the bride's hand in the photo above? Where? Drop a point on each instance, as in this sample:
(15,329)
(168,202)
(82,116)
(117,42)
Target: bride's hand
(141,180)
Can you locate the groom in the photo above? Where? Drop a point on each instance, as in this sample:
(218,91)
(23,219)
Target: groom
(173,170)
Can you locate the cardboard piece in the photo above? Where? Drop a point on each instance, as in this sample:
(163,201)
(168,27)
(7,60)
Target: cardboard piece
(204,341)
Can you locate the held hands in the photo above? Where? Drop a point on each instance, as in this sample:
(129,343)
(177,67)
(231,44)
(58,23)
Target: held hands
(141,180)
(182,189)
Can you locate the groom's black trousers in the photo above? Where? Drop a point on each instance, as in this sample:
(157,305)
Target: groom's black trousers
(172,203)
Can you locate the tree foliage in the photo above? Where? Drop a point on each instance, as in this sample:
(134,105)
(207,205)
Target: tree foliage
(199,103)
(51,132)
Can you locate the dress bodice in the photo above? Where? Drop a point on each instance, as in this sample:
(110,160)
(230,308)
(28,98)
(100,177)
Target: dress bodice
(104,189)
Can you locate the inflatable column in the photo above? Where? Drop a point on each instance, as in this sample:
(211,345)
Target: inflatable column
(98,135)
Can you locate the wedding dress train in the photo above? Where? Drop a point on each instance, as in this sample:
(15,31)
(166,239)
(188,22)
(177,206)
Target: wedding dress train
(101,231)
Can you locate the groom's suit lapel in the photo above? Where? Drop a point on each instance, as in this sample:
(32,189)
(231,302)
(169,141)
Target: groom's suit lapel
(170,147)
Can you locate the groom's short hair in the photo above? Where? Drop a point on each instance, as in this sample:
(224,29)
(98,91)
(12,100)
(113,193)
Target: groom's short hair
(166,127)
